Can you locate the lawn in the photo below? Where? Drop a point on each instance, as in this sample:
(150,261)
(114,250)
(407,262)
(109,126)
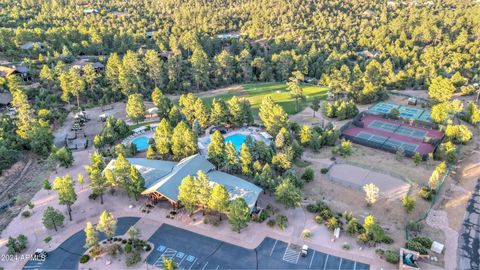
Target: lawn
(255,92)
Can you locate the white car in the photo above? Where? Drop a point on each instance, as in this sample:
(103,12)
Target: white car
(304,251)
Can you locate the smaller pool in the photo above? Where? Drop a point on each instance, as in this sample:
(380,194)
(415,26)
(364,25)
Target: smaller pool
(237,140)
(141,143)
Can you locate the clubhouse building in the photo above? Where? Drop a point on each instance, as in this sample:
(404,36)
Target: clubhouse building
(163,179)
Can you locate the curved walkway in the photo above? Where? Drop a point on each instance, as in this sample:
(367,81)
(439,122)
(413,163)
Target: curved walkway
(67,255)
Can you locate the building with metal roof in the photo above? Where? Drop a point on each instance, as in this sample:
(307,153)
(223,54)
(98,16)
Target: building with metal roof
(163,178)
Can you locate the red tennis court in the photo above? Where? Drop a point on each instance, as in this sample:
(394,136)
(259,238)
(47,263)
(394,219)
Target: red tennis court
(393,134)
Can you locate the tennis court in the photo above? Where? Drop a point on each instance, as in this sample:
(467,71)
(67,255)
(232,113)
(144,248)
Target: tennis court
(396,144)
(398,128)
(411,132)
(386,126)
(371,137)
(405,111)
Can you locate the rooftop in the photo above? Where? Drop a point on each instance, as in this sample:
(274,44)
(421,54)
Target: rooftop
(165,177)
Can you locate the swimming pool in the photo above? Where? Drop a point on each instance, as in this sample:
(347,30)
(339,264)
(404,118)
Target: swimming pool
(141,143)
(237,140)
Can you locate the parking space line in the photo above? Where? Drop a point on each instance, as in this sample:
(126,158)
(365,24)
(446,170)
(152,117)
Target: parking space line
(271,251)
(291,255)
(326,261)
(354,265)
(218,266)
(181,261)
(340,264)
(192,264)
(205,266)
(311,261)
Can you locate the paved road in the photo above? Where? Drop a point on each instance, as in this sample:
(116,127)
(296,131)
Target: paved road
(469,239)
(67,255)
(194,251)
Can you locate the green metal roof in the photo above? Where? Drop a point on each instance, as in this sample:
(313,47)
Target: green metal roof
(236,187)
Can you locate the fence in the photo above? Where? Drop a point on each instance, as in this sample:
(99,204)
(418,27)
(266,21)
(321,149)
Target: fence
(432,203)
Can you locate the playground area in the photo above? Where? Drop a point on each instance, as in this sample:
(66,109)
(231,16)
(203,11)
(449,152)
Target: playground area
(407,112)
(391,135)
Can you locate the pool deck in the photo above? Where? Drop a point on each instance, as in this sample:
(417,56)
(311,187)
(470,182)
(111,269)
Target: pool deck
(254,132)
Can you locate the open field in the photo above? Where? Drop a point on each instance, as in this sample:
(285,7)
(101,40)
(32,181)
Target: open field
(255,92)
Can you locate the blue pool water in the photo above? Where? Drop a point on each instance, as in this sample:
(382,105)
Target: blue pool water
(237,140)
(141,143)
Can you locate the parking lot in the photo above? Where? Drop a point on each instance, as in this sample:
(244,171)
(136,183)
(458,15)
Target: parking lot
(194,251)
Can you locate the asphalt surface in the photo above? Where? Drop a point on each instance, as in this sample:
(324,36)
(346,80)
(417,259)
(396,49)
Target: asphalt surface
(469,239)
(194,251)
(67,255)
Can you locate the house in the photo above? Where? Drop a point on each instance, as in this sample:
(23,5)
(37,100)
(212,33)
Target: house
(7,71)
(30,44)
(90,11)
(80,65)
(163,179)
(24,72)
(5,99)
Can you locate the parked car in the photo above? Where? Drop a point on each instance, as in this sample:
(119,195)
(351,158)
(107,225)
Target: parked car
(304,251)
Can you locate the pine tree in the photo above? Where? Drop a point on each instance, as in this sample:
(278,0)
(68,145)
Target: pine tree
(245,159)
(219,112)
(293,86)
(97,183)
(130,74)
(135,107)
(200,68)
(52,218)
(219,199)
(441,89)
(288,194)
(371,193)
(107,224)
(315,105)
(24,117)
(112,71)
(72,84)
(137,185)
(184,141)
(238,214)
(153,67)
(162,102)
(203,189)
(272,115)
(91,237)
(90,77)
(232,159)
(216,150)
(187,193)
(162,137)
(65,188)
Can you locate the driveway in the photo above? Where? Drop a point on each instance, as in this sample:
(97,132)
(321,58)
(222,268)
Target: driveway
(469,239)
(67,255)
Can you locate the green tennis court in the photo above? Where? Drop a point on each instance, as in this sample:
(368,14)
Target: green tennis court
(396,144)
(385,126)
(405,111)
(371,137)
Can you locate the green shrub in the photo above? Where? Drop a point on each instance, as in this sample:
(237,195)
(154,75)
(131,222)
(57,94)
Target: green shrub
(319,219)
(84,258)
(416,246)
(324,170)
(26,214)
(282,222)
(312,208)
(148,247)
(133,258)
(128,248)
(308,175)
(306,233)
(425,241)
(271,223)
(346,246)
(30,205)
(363,238)
(47,239)
(392,256)
(95,251)
(332,223)
(415,226)
(426,193)
(326,214)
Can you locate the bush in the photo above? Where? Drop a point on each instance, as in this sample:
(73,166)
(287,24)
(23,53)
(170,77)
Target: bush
(30,205)
(124,241)
(332,223)
(363,238)
(319,219)
(113,250)
(346,246)
(408,203)
(26,214)
(282,222)
(312,208)
(424,241)
(306,233)
(415,226)
(326,214)
(84,258)
(148,247)
(392,256)
(128,248)
(324,170)
(271,223)
(416,246)
(133,258)
(426,193)
(95,251)
(308,175)
(47,239)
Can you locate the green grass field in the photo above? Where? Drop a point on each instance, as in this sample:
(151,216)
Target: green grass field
(255,92)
